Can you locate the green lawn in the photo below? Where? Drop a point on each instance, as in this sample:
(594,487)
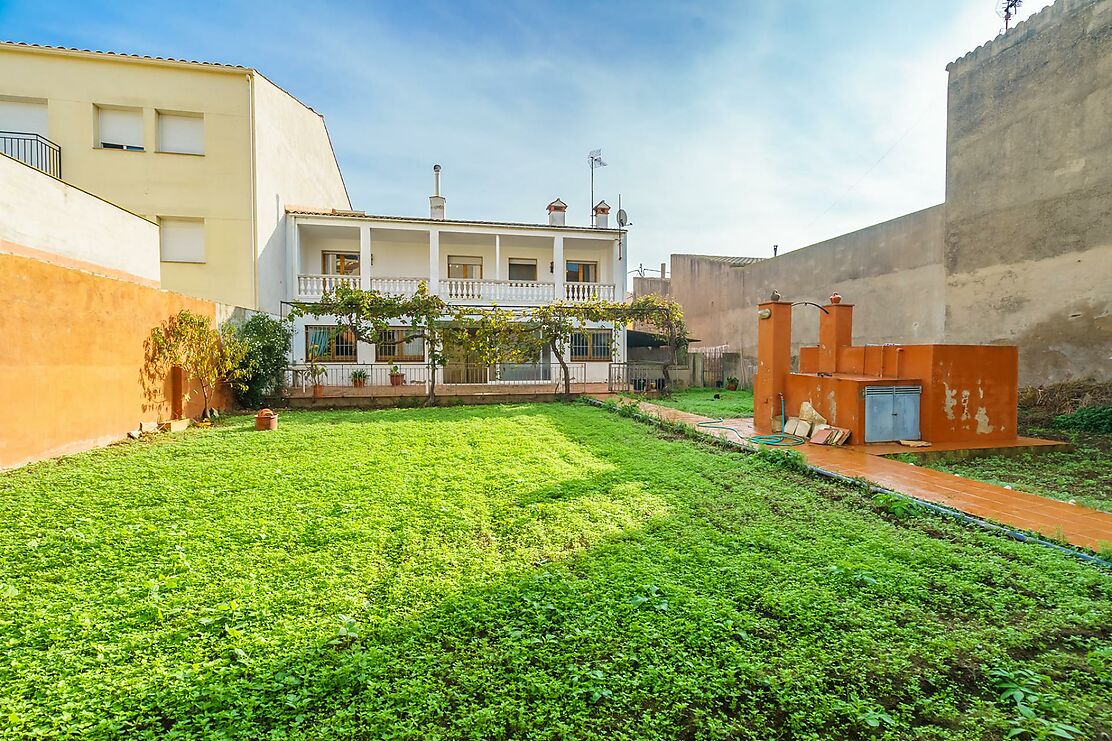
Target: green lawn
(1083,475)
(541,571)
(702,401)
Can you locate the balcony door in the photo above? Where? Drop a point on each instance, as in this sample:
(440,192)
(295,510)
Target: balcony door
(339,263)
(582,272)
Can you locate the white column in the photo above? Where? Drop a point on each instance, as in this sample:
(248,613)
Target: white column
(620,273)
(364,352)
(434,260)
(498,257)
(293,258)
(559,269)
(365,256)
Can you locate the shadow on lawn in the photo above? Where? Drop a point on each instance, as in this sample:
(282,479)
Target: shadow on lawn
(675,618)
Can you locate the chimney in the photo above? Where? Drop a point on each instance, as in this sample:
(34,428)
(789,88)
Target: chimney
(663,270)
(835,332)
(601,212)
(556,211)
(436,201)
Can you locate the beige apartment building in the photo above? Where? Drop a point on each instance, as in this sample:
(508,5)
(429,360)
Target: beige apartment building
(214,154)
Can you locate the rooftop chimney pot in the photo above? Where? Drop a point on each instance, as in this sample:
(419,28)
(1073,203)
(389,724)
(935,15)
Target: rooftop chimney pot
(601,214)
(436,201)
(556,211)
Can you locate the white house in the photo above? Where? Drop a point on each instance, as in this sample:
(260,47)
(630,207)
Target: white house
(469,263)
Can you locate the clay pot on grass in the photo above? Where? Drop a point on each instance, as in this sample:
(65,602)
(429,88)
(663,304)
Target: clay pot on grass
(266,419)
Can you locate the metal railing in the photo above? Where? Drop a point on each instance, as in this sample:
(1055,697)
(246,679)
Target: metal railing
(33,149)
(637,376)
(355,375)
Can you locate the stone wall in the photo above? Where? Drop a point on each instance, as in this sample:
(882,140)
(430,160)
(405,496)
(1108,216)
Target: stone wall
(1029,193)
(891,271)
(1021,251)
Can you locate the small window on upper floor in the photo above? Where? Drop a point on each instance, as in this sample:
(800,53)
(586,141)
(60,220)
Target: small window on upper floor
(181,133)
(183,240)
(120,128)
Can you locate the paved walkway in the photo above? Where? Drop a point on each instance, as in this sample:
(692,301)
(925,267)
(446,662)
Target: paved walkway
(1072,523)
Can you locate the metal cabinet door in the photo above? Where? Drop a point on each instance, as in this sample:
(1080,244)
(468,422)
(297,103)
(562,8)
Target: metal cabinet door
(891,413)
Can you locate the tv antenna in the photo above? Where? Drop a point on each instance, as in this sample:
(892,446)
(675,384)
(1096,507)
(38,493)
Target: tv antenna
(594,159)
(1008,9)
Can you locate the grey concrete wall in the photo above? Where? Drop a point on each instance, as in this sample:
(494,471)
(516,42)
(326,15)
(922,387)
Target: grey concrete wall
(1028,253)
(892,272)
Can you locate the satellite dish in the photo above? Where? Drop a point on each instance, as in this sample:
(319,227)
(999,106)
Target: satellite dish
(623,218)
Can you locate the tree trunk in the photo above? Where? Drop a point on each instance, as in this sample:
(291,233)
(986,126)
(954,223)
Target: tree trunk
(565,373)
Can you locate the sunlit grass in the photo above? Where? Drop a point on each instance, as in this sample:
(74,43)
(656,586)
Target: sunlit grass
(531,571)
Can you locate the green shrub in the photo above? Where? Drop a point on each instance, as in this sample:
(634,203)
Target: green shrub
(1087,419)
(268,346)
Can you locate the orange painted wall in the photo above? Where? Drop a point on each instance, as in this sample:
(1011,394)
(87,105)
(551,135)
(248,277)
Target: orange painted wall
(72,357)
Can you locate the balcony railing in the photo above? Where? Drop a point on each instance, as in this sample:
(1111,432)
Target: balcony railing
(34,150)
(496,291)
(588,291)
(460,291)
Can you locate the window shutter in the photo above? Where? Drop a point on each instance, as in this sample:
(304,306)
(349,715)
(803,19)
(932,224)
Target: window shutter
(123,128)
(183,240)
(23,117)
(181,134)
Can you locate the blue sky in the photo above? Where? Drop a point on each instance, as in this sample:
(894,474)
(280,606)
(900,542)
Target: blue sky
(727,126)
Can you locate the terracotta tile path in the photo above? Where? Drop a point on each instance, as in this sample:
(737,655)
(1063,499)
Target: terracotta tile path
(1072,523)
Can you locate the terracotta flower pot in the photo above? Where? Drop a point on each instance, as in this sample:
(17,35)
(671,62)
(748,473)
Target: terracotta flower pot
(266,420)
(358,383)
(396,379)
(731,387)
(318,390)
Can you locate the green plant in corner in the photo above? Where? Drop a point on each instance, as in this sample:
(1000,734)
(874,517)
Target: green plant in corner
(208,356)
(267,345)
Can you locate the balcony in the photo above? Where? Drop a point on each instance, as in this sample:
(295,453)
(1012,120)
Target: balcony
(34,150)
(460,291)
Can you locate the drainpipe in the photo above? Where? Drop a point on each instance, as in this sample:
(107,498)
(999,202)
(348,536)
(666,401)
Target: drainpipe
(254,192)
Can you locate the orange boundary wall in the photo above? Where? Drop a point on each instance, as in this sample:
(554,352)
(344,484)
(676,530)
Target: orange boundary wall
(72,357)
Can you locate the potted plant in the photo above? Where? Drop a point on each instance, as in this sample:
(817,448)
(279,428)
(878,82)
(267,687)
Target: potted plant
(731,383)
(359,378)
(397,378)
(316,370)
(638,384)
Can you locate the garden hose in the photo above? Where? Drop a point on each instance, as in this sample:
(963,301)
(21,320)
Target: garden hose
(779,439)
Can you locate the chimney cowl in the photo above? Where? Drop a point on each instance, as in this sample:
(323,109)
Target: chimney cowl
(600,214)
(556,213)
(436,201)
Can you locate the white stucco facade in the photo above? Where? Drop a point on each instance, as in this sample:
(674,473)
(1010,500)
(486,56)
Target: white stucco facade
(44,216)
(467,263)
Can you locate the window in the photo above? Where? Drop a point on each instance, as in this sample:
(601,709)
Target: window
(591,344)
(339,263)
(120,128)
(181,133)
(331,344)
(523,269)
(393,347)
(466,268)
(182,240)
(582,272)
(23,116)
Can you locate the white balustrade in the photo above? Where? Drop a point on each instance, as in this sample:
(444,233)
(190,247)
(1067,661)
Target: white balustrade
(314,286)
(588,291)
(506,292)
(396,286)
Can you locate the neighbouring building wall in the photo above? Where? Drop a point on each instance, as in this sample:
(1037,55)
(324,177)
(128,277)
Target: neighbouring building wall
(214,186)
(42,215)
(892,271)
(72,370)
(294,166)
(1029,193)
